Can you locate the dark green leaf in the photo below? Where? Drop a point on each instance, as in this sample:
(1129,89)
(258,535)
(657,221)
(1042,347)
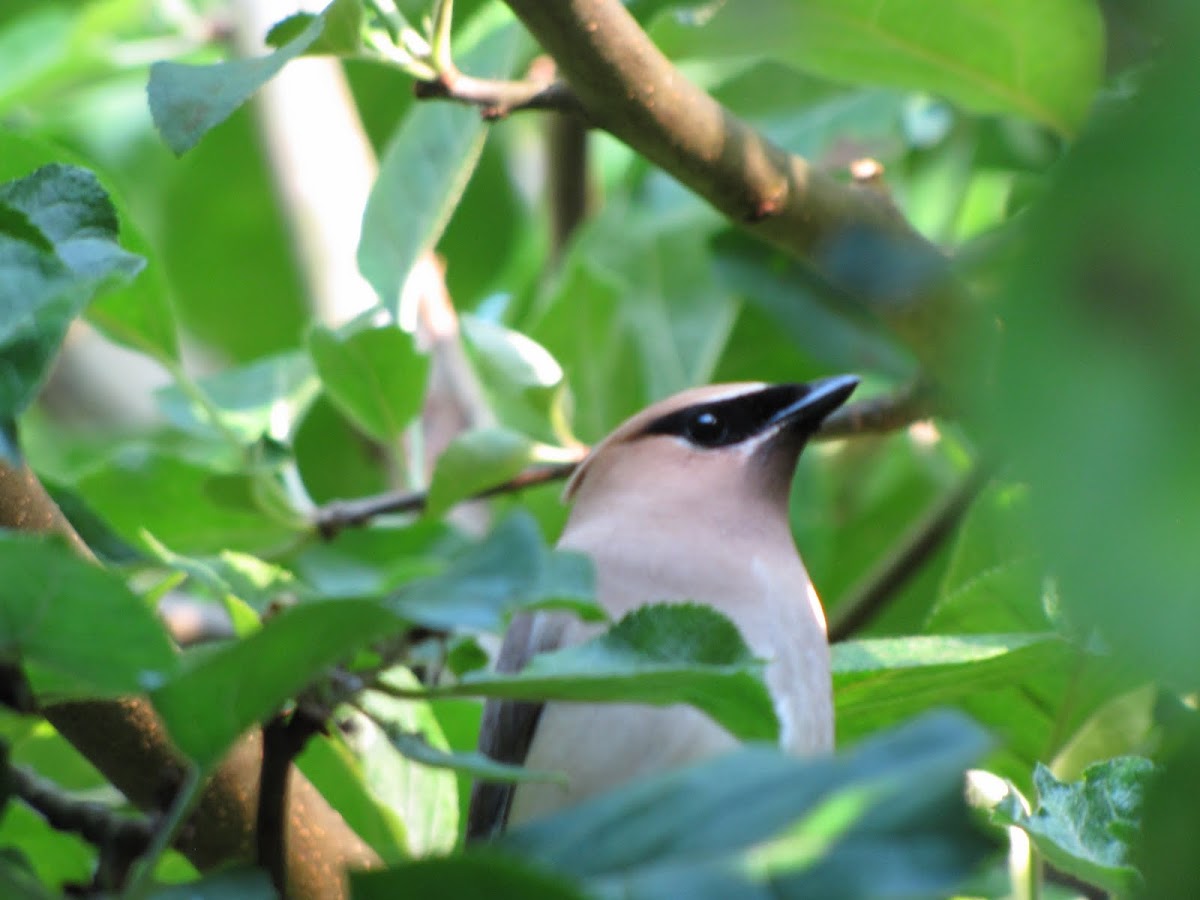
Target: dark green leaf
(186,101)
(244,884)
(508,571)
(375,377)
(462,877)
(323,435)
(1042,59)
(664,654)
(1085,828)
(757,823)
(424,170)
(223,693)
(58,248)
(73,619)
(137,313)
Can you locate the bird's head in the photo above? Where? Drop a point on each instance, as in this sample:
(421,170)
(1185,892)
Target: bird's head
(706,448)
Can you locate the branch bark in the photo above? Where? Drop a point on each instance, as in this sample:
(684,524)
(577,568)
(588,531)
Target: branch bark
(851,234)
(497,98)
(125,740)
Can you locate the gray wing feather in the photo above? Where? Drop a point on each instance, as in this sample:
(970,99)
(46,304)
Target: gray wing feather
(508,725)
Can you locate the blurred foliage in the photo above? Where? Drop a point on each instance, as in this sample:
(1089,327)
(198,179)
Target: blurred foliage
(1046,146)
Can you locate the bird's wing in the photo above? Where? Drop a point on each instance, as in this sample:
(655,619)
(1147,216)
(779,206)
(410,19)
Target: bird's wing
(508,725)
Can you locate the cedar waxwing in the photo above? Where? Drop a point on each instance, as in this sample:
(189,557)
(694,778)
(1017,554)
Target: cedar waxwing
(686,501)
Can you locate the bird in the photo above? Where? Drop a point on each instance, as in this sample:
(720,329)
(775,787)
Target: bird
(687,501)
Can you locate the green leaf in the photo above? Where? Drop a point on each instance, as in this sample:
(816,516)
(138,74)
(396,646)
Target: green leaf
(933,669)
(425,168)
(186,100)
(187,506)
(759,823)
(337,773)
(245,884)
(244,584)
(223,693)
(474,461)
(994,582)
(1085,828)
(341,36)
(324,434)
(1042,59)
(838,337)
(662,654)
(508,571)
(1033,689)
(249,399)
(637,313)
(458,877)
(375,377)
(137,313)
(425,798)
(55,857)
(1105,271)
(523,383)
(74,619)
(58,248)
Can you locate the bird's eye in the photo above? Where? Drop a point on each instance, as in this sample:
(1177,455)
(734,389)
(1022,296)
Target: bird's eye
(706,429)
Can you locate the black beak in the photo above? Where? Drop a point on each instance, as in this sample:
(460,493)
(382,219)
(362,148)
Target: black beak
(816,400)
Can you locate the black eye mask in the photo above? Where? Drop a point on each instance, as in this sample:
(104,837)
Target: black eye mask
(723,423)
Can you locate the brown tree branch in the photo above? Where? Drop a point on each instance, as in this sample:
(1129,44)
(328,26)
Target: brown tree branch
(498,98)
(283,737)
(851,234)
(126,741)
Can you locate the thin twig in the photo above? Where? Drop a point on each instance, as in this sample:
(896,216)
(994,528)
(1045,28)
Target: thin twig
(120,838)
(566,179)
(498,98)
(914,549)
(879,415)
(340,514)
(283,739)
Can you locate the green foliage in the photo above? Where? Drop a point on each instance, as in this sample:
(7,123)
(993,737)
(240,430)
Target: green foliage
(660,654)
(63,616)
(1041,60)
(1085,828)
(218,695)
(58,249)
(1058,613)
(757,823)
(375,377)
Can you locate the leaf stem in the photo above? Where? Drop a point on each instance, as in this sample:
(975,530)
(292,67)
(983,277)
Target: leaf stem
(181,807)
